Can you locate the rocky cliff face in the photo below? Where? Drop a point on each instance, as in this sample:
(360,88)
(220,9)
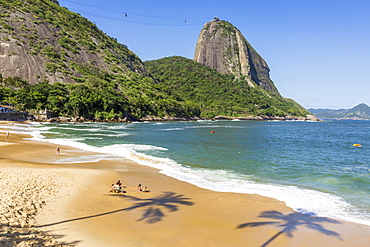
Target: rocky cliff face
(223,47)
(44,41)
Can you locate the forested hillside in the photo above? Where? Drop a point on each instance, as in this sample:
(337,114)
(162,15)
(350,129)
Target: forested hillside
(41,40)
(218,94)
(56,60)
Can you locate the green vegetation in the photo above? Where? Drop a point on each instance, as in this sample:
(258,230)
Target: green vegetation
(218,94)
(184,88)
(71,36)
(104,96)
(106,80)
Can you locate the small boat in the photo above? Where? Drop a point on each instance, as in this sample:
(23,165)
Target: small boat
(213,131)
(357,145)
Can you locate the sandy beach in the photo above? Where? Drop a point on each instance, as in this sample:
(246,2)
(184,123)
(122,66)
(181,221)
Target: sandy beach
(50,204)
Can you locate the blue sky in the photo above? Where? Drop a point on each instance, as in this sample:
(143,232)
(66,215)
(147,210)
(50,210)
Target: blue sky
(318,50)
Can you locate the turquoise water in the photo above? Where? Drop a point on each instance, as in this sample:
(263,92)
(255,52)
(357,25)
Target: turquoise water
(312,166)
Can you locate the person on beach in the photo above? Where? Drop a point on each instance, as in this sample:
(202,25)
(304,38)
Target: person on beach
(146,189)
(139,188)
(58,150)
(7,135)
(115,188)
(118,188)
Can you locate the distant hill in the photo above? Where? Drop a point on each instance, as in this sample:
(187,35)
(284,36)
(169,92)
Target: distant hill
(361,111)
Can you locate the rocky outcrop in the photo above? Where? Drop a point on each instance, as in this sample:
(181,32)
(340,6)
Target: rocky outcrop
(222,46)
(260,118)
(48,42)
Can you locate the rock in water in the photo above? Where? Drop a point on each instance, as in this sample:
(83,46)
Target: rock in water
(222,47)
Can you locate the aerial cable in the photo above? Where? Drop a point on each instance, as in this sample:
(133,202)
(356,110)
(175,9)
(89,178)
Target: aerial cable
(133,21)
(130,13)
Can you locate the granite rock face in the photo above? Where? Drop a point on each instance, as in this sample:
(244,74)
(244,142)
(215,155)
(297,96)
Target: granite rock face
(222,47)
(36,46)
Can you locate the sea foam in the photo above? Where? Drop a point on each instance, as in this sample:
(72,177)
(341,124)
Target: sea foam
(301,199)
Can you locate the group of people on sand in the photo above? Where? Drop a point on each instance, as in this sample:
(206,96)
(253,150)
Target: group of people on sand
(139,188)
(118,188)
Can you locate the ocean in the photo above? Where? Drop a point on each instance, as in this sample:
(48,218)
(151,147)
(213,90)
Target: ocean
(311,166)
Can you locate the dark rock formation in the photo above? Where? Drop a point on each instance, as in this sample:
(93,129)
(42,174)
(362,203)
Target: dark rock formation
(222,46)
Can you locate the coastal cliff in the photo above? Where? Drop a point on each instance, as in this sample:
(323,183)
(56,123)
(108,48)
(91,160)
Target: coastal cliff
(222,47)
(43,41)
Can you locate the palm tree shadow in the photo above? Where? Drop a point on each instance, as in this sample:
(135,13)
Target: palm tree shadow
(153,208)
(290,222)
(17,235)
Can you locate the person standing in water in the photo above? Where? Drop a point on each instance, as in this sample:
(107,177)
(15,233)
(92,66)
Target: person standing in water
(58,150)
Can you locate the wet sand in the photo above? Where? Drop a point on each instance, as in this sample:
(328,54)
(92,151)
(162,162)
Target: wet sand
(76,209)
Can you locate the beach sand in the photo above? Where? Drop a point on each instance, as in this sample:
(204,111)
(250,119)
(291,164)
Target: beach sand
(69,204)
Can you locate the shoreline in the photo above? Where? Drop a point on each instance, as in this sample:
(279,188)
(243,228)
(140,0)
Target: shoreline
(173,213)
(163,119)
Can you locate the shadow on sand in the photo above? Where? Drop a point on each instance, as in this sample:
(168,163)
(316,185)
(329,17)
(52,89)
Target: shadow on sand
(29,236)
(289,223)
(153,208)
